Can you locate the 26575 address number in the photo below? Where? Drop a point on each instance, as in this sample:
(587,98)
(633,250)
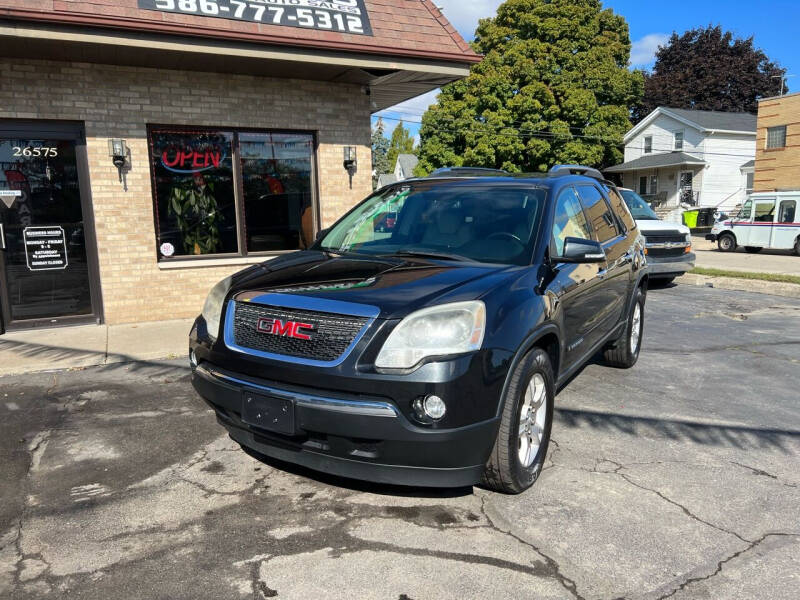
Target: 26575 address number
(311,14)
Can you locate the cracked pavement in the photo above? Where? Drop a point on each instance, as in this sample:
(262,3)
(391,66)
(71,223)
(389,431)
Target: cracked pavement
(676,479)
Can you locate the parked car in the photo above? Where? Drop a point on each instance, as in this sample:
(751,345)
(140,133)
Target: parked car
(669,245)
(430,356)
(766,220)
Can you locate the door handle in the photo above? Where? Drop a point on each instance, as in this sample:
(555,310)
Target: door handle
(2,237)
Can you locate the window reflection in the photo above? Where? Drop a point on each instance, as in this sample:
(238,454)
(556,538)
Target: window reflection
(276,185)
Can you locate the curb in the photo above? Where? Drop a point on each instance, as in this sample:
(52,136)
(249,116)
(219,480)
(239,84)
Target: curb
(774,288)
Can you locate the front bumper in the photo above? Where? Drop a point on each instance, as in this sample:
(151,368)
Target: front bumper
(671,267)
(711,237)
(350,435)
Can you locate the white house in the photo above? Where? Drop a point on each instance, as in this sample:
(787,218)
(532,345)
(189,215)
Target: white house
(406,163)
(696,157)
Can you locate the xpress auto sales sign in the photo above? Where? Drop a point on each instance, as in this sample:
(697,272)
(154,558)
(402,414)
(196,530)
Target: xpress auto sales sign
(342,16)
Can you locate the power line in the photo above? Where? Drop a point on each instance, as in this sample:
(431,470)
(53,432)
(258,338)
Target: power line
(521,134)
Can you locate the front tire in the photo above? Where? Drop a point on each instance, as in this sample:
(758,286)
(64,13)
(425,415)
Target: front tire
(797,247)
(524,436)
(624,353)
(726,243)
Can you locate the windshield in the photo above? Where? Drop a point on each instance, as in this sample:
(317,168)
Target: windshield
(640,209)
(745,211)
(452,221)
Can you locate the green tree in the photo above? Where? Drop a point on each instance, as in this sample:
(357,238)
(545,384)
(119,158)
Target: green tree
(401,143)
(708,69)
(380,153)
(554,87)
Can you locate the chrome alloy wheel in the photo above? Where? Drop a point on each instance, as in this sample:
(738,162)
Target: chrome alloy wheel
(532,420)
(636,328)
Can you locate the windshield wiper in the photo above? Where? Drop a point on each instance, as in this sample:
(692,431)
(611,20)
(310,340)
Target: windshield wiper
(431,254)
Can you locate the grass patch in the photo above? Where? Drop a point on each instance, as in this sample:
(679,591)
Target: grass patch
(779,277)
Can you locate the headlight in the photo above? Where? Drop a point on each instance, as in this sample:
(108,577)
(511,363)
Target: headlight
(438,331)
(212,309)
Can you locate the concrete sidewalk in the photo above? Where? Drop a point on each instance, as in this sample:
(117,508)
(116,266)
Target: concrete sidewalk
(767,261)
(72,347)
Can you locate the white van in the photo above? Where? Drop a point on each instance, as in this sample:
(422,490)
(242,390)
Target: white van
(767,220)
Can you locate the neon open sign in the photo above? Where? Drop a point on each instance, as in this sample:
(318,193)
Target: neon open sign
(189,160)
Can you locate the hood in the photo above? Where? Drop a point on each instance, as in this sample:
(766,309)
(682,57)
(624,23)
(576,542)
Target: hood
(396,286)
(650,225)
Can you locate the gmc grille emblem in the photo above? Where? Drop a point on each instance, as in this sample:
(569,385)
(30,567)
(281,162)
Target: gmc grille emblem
(291,329)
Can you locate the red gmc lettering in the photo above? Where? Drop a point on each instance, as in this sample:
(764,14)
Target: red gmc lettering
(290,329)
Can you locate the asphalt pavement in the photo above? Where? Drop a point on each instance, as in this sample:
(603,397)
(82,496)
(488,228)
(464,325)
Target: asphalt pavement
(676,479)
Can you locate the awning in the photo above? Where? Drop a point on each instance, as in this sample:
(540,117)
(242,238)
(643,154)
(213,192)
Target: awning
(658,161)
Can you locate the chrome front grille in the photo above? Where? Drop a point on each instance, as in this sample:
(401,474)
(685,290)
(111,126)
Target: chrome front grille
(269,329)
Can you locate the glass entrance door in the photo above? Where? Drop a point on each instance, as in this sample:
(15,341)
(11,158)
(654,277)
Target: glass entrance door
(45,275)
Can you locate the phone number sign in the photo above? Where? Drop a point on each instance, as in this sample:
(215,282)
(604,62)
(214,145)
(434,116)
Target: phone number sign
(341,16)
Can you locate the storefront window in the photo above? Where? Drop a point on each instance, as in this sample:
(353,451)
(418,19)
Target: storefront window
(231,192)
(193,180)
(276,185)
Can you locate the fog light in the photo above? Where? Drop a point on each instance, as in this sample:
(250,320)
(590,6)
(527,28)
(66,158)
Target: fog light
(434,407)
(192,359)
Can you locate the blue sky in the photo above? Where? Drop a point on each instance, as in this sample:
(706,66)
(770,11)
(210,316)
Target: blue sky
(773,23)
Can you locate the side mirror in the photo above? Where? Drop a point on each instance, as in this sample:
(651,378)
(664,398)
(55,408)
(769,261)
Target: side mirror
(577,250)
(321,234)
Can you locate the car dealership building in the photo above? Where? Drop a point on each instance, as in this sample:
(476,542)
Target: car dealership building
(149,148)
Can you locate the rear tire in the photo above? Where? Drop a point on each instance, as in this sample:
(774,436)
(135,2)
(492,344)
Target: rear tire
(624,353)
(726,243)
(752,249)
(524,436)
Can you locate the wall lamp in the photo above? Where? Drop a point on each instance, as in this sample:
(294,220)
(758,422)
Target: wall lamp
(350,162)
(120,155)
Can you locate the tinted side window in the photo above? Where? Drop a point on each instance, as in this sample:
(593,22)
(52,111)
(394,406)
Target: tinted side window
(788,209)
(598,213)
(621,209)
(569,220)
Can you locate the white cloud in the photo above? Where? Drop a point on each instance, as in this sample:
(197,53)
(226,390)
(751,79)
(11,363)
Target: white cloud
(643,52)
(464,15)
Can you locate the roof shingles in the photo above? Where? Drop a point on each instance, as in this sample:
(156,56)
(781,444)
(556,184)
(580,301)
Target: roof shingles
(657,161)
(717,120)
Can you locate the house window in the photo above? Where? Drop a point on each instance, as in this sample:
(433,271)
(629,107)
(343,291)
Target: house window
(653,185)
(749,182)
(678,140)
(776,137)
(648,144)
(642,186)
(228,192)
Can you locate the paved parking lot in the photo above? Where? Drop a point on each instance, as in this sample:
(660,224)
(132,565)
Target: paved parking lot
(677,479)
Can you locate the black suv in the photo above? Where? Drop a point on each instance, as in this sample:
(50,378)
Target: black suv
(422,339)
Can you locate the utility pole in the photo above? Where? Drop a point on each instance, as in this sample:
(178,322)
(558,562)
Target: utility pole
(783,79)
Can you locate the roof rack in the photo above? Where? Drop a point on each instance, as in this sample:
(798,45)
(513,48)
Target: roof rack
(466,172)
(561,170)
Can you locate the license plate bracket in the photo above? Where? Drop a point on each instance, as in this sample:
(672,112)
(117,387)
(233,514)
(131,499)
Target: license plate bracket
(268,412)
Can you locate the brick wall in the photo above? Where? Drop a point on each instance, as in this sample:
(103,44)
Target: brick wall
(778,168)
(120,101)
